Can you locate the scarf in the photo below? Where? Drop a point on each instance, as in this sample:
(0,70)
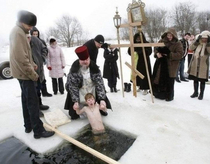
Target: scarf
(200,50)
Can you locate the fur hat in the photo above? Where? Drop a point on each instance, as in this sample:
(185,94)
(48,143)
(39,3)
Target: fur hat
(99,39)
(82,52)
(205,34)
(27,18)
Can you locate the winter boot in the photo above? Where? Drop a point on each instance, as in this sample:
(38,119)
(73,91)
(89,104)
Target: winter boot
(195,94)
(202,87)
(41,106)
(125,86)
(115,89)
(128,87)
(44,90)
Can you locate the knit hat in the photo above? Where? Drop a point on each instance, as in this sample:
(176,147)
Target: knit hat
(99,39)
(82,52)
(26,17)
(205,34)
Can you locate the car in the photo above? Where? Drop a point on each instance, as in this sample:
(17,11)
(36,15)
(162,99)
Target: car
(5,72)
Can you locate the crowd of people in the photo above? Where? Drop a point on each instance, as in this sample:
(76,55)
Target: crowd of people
(86,92)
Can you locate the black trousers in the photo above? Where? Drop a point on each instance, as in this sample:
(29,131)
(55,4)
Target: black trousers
(170,88)
(112,81)
(57,84)
(30,106)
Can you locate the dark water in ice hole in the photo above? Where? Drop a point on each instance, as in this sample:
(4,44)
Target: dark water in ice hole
(112,144)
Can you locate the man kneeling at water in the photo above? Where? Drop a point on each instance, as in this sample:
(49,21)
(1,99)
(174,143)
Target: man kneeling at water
(93,113)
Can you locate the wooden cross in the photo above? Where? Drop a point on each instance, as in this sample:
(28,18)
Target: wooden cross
(135,72)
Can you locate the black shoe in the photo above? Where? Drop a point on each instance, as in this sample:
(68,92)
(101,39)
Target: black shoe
(111,90)
(44,134)
(177,80)
(115,89)
(46,94)
(200,97)
(43,107)
(169,99)
(194,95)
(62,93)
(184,80)
(41,114)
(103,113)
(28,130)
(55,93)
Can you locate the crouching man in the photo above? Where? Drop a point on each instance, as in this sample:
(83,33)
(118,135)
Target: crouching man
(84,77)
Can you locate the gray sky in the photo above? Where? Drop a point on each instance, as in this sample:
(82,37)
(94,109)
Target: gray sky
(96,16)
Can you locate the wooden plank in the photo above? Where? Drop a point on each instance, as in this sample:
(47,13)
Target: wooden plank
(135,70)
(139,45)
(81,145)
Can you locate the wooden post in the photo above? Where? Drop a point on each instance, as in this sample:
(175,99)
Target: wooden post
(146,65)
(82,146)
(132,55)
(121,72)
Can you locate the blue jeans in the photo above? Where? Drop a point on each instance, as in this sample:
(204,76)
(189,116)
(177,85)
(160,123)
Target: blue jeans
(181,69)
(30,106)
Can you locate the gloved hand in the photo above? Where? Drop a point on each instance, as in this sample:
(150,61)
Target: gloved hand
(199,37)
(50,68)
(105,45)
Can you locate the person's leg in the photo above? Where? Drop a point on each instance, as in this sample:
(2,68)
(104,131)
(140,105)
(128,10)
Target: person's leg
(110,84)
(195,86)
(55,85)
(31,106)
(202,88)
(114,81)
(60,85)
(44,89)
(170,89)
(26,116)
(38,89)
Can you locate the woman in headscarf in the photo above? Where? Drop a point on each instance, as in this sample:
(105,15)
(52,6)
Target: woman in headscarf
(166,65)
(199,65)
(140,63)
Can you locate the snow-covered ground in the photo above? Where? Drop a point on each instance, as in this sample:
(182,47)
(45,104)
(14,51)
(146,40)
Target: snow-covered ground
(176,132)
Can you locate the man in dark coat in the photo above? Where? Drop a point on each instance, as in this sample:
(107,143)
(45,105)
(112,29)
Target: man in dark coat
(35,32)
(84,77)
(39,53)
(180,71)
(93,45)
(110,71)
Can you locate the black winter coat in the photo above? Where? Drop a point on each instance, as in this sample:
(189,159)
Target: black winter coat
(92,49)
(143,83)
(110,63)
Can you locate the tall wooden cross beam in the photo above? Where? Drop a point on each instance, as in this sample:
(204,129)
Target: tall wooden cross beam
(136,18)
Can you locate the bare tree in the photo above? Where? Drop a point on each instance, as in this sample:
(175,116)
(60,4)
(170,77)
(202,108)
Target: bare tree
(52,32)
(68,29)
(184,17)
(156,23)
(203,20)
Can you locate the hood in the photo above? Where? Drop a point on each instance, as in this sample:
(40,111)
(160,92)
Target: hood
(205,34)
(138,35)
(34,29)
(52,37)
(172,31)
